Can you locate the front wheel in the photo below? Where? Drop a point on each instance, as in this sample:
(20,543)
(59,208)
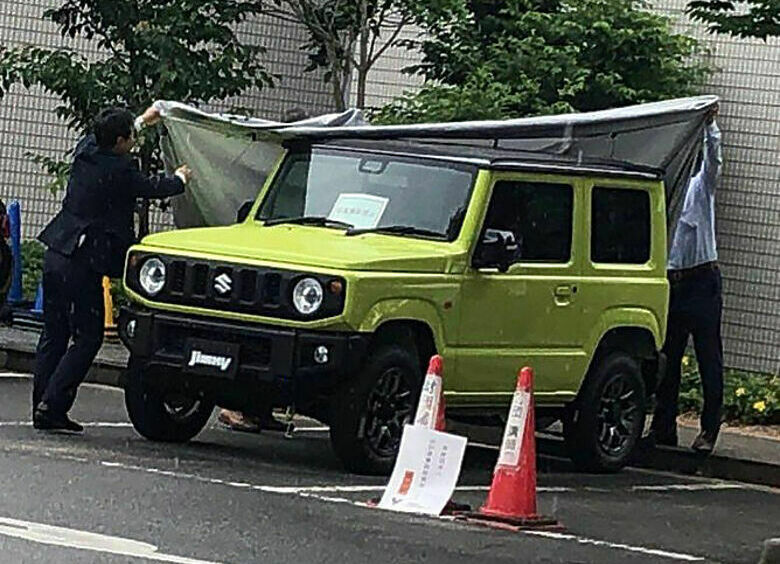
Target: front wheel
(369,412)
(602,430)
(165,415)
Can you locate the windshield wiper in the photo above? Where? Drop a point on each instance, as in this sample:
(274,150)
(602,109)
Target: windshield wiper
(397,230)
(317,220)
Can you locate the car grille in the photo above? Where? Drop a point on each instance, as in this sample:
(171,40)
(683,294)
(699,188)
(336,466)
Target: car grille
(238,288)
(224,287)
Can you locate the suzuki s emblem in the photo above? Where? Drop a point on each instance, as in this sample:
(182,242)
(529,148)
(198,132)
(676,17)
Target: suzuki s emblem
(223,284)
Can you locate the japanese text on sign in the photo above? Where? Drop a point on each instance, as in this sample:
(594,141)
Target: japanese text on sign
(362,211)
(515,429)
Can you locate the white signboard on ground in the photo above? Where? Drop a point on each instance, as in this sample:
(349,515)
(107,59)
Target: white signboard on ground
(426,471)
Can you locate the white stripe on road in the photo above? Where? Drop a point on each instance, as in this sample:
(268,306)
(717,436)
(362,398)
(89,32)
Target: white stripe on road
(109,424)
(311,429)
(84,540)
(20,376)
(688,487)
(618,546)
(315,492)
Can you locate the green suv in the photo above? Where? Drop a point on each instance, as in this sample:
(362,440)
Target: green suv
(361,259)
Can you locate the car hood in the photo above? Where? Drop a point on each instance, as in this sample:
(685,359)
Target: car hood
(313,247)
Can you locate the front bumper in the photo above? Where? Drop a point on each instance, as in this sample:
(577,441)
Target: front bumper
(267,355)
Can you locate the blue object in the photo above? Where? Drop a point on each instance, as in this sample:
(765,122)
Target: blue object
(15,295)
(38,307)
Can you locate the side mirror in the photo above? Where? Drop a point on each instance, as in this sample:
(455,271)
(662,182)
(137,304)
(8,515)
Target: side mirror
(497,249)
(243,211)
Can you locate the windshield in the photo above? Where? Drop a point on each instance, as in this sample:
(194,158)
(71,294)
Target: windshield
(371,192)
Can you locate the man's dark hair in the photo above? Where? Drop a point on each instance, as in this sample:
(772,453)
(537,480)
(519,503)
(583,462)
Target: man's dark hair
(111,124)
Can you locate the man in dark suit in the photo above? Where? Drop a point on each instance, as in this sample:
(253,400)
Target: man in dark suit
(86,240)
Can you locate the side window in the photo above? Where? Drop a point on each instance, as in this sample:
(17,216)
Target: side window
(539,214)
(620,224)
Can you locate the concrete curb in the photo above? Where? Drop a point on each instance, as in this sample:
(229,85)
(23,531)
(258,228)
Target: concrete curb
(108,371)
(684,461)
(102,372)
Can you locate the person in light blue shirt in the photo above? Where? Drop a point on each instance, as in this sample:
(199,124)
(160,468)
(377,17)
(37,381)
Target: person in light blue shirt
(695,304)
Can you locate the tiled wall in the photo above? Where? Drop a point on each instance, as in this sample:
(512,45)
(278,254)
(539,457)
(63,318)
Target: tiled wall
(748,199)
(748,202)
(28,124)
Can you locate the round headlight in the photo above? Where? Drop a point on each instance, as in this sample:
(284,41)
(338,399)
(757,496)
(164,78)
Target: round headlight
(152,276)
(307,296)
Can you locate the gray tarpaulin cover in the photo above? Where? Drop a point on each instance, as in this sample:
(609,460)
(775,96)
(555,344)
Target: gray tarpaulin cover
(231,156)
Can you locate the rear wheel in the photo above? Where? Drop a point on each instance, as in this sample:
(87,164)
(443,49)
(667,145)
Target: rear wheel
(603,428)
(165,415)
(370,411)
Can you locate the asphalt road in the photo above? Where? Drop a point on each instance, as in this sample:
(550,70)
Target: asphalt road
(110,496)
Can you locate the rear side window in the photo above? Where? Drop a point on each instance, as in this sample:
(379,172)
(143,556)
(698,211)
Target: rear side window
(620,224)
(539,214)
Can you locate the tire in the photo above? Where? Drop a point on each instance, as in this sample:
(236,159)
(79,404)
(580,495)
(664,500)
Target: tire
(164,416)
(603,428)
(369,412)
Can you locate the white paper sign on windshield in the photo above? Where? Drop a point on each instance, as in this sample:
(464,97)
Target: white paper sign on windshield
(426,471)
(363,211)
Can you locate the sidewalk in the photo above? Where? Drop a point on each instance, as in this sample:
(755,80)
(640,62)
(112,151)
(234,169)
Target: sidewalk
(17,352)
(733,444)
(737,456)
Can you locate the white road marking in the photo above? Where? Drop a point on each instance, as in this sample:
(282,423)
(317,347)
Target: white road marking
(484,445)
(316,492)
(688,487)
(311,430)
(618,546)
(109,424)
(105,387)
(84,540)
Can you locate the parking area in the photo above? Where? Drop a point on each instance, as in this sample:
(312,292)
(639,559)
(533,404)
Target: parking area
(110,496)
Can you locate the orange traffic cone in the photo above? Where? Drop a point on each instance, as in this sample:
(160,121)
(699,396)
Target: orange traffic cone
(430,414)
(430,408)
(512,496)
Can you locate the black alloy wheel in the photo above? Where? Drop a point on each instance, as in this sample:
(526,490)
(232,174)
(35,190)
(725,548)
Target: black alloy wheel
(388,409)
(601,429)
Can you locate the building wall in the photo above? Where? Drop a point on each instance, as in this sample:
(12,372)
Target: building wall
(28,123)
(748,199)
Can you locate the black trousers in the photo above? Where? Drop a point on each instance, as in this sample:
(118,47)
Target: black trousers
(73,318)
(695,309)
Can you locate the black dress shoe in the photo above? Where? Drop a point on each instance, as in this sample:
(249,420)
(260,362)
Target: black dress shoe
(705,442)
(661,438)
(45,421)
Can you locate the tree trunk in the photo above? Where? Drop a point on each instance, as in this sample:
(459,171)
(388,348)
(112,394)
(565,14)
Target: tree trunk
(336,71)
(362,68)
(361,88)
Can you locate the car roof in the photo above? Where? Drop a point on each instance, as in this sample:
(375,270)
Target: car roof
(490,154)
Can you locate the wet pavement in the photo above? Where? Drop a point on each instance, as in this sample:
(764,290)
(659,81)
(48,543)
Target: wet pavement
(111,496)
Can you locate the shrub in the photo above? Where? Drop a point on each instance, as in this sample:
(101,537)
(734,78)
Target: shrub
(32,271)
(748,397)
(32,267)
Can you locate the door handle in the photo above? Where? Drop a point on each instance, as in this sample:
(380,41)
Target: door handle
(563,291)
(563,294)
